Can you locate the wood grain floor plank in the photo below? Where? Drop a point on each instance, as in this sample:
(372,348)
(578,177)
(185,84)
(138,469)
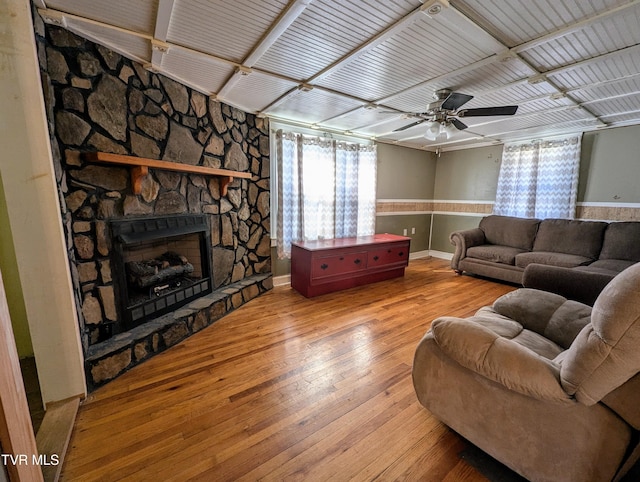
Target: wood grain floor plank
(286,388)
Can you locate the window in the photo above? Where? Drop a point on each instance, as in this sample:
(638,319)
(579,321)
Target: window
(539,179)
(325,189)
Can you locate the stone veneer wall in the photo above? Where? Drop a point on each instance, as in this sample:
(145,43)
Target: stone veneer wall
(97,100)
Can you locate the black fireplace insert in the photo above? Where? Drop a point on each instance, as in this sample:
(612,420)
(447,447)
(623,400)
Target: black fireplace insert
(159,264)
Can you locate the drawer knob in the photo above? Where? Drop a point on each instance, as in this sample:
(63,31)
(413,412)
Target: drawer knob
(324,266)
(357,261)
(401,253)
(376,258)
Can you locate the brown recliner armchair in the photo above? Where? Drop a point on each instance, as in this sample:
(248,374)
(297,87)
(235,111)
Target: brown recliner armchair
(547,386)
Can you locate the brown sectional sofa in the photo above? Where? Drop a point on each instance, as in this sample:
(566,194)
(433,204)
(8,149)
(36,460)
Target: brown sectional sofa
(573,258)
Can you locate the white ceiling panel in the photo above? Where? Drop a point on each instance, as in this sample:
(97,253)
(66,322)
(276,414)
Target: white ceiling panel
(607,90)
(360,117)
(609,36)
(629,118)
(425,49)
(330,30)
(518,21)
(226,28)
(257,91)
(619,65)
(542,55)
(206,74)
(611,107)
(125,42)
(518,93)
(388,126)
(312,107)
(138,16)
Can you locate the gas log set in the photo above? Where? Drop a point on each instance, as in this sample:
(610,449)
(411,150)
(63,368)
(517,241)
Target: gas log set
(154,277)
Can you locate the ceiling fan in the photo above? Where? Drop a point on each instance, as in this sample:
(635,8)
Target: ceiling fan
(443,114)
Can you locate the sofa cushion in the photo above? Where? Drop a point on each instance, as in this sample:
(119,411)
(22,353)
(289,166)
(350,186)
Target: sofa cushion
(579,284)
(510,231)
(495,253)
(582,238)
(622,241)
(551,258)
(607,266)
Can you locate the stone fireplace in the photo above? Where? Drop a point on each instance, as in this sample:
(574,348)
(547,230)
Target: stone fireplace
(212,234)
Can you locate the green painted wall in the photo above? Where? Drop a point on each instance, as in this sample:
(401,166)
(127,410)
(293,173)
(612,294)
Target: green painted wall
(444,225)
(609,169)
(405,173)
(12,286)
(610,166)
(398,223)
(469,174)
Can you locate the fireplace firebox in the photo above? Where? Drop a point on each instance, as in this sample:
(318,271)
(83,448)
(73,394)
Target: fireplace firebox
(159,264)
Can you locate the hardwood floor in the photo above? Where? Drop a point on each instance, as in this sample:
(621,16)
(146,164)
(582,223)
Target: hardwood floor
(287,388)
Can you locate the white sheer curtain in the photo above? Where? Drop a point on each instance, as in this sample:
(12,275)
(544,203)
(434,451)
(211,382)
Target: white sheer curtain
(539,179)
(326,189)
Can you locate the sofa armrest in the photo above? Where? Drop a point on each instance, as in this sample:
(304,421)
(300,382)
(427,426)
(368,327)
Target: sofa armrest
(573,284)
(464,240)
(499,359)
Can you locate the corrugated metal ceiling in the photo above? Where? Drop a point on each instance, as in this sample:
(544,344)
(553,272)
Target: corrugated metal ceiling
(367,67)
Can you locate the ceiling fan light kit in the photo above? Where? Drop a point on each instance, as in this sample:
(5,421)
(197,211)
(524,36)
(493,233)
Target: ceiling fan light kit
(433,131)
(440,131)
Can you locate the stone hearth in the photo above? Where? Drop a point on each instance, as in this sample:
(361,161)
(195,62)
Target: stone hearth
(110,358)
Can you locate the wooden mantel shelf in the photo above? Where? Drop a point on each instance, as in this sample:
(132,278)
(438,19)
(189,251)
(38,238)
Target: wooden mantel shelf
(140,168)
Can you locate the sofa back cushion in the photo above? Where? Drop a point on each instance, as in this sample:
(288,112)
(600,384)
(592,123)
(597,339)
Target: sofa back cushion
(622,241)
(605,353)
(510,231)
(582,238)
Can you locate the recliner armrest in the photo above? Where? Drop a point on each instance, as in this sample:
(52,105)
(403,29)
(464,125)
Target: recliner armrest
(548,314)
(464,240)
(499,359)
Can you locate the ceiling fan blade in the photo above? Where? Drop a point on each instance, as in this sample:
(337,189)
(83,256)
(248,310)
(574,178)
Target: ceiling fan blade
(455,100)
(459,124)
(487,111)
(410,125)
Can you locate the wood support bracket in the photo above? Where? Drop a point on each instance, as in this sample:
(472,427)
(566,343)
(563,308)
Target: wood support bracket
(224,183)
(138,173)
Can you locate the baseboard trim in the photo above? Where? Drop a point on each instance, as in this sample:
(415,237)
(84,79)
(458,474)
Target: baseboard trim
(441,254)
(419,254)
(282,280)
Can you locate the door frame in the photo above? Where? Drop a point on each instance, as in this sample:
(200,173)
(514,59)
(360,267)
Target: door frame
(19,450)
